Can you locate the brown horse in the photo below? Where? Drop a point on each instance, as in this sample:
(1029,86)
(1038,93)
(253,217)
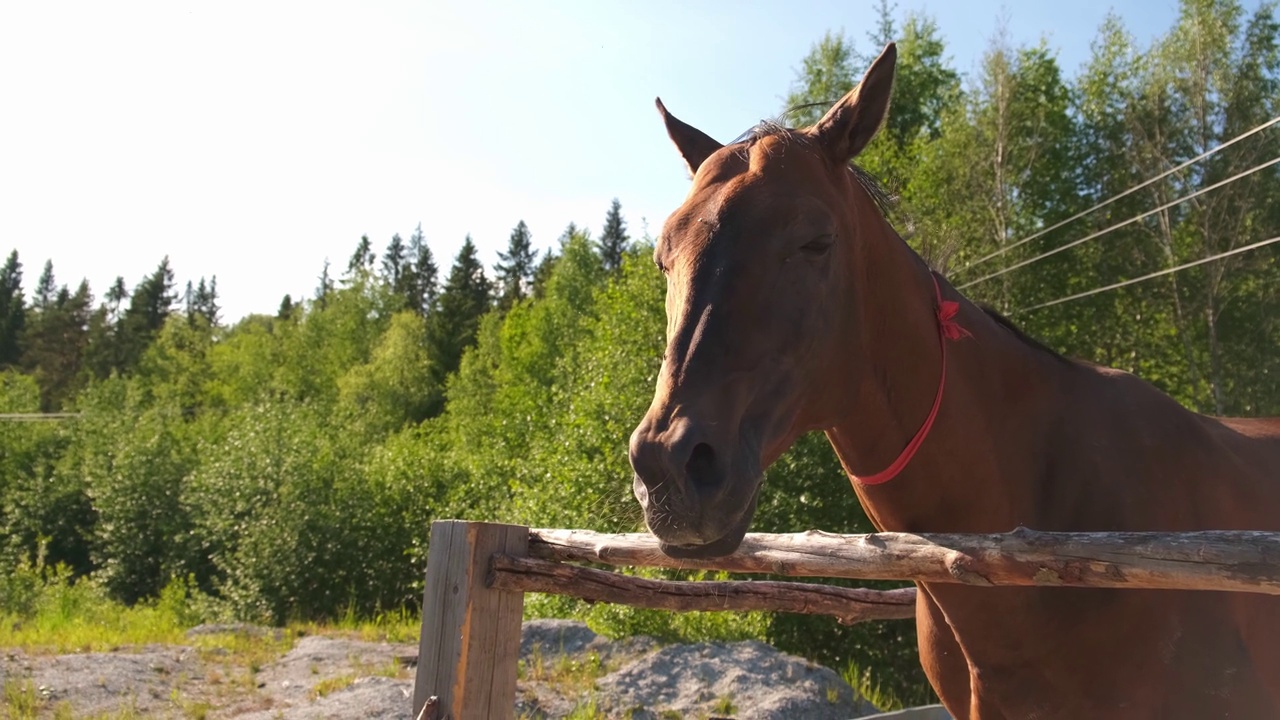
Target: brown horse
(793,306)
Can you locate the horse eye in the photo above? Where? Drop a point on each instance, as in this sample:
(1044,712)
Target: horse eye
(818,246)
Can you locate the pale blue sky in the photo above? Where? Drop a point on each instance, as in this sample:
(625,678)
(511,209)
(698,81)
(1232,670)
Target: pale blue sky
(252,140)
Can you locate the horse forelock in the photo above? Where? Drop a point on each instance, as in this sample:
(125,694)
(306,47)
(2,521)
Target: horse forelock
(883,199)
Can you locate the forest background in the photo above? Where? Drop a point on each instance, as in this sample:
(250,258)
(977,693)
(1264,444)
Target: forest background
(287,466)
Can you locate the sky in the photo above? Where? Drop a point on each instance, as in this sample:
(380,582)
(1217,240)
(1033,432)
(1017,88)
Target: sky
(252,141)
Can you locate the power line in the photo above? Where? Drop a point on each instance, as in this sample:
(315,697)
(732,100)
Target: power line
(1119,225)
(36,417)
(1149,276)
(1131,190)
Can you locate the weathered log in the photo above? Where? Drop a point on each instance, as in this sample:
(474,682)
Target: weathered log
(848,605)
(1238,561)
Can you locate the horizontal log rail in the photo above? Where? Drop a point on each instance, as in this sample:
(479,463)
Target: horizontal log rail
(847,605)
(1236,561)
(477,574)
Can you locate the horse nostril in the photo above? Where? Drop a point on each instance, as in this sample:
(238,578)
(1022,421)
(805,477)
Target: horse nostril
(701,468)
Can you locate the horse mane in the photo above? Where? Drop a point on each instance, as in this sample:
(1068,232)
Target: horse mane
(1021,334)
(884,202)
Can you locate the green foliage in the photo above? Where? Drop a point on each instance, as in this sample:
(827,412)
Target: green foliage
(133,468)
(41,512)
(396,386)
(464,300)
(322,346)
(54,345)
(826,73)
(288,520)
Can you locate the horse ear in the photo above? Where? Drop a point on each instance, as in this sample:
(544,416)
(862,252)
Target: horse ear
(851,123)
(694,145)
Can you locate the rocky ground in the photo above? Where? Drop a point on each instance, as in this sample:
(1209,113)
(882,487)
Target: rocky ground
(566,671)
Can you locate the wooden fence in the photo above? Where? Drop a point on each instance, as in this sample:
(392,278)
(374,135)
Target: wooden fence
(477,574)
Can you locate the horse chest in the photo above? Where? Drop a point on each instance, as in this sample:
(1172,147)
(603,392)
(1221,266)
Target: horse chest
(1157,655)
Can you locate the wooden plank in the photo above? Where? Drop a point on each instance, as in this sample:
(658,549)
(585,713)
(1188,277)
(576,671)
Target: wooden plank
(847,605)
(439,640)
(470,640)
(1237,561)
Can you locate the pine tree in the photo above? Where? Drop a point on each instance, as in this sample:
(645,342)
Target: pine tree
(189,303)
(285,312)
(105,352)
(542,273)
(325,288)
(363,259)
(463,302)
(55,345)
(515,271)
(421,286)
(614,242)
(13,311)
(207,301)
(393,265)
(149,307)
(202,302)
(46,289)
(115,297)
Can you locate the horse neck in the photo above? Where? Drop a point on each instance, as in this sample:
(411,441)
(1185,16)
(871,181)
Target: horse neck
(961,479)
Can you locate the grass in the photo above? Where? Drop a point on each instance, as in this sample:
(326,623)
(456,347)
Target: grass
(571,676)
(191,709)
(568,673)
(396,626)
(334,684)
(874,692)
(20,700)
(78,617)
(587,711)
(326,686)
(724,706)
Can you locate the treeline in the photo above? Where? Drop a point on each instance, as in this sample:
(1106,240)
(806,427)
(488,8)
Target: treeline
(289,465)
(60,339)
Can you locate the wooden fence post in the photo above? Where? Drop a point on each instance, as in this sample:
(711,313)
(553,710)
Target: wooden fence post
(470,641)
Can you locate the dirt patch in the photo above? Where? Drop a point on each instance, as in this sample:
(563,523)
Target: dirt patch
(319,677)
(328,677)
(565,669)
(146,680)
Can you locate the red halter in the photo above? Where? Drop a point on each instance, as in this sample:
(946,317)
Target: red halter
(948,329)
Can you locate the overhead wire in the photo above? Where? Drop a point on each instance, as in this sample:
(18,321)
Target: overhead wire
(1149,276)
(1130,191)
(1117,226)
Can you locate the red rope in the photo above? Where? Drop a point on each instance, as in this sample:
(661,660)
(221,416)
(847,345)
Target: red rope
(948,329)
